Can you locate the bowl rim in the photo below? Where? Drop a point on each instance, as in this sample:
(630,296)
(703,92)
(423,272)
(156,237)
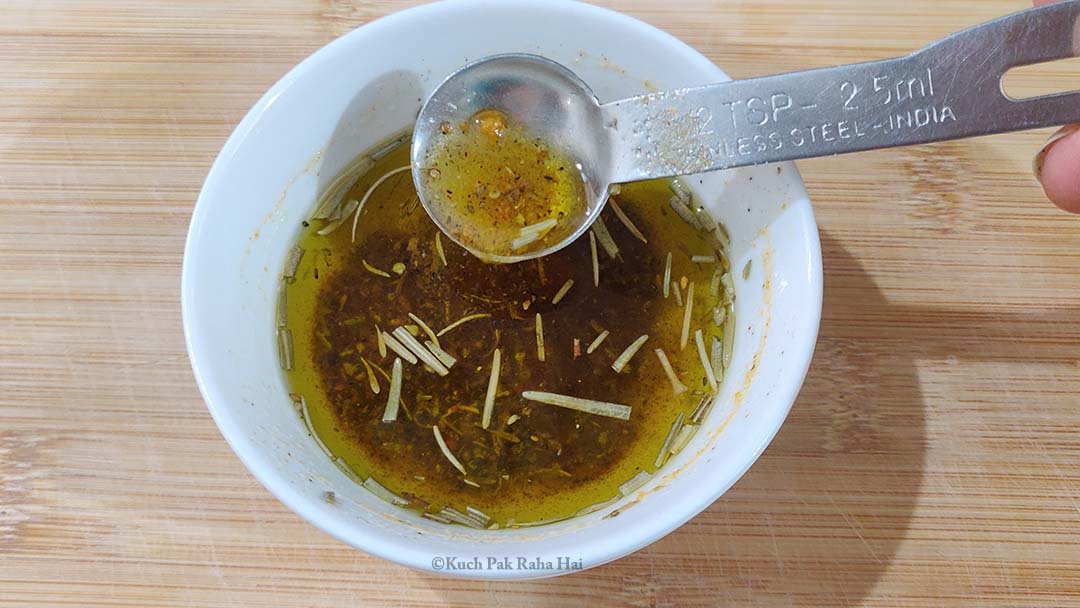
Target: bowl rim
(263,469)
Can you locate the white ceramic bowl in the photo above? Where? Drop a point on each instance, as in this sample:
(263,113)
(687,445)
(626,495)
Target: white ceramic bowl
(368,85)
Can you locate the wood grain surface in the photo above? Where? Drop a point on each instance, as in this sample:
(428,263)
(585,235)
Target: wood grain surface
(932,459)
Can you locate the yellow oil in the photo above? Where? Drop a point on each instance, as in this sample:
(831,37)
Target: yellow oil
(562,460)
(487,179)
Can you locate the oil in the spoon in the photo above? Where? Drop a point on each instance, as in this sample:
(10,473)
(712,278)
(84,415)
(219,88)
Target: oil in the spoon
(499,191)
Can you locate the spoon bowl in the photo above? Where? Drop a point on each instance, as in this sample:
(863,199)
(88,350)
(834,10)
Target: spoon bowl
(543,97)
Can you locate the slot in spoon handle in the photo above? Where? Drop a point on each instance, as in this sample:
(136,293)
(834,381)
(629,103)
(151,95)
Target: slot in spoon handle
(950,89)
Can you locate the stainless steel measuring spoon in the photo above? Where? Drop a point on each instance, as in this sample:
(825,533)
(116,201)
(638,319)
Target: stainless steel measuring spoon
(951,89)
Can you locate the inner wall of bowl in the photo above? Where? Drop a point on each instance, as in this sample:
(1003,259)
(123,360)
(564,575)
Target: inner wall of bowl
(362,89)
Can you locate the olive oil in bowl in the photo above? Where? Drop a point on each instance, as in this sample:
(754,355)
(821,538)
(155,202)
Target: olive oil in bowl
(503,395)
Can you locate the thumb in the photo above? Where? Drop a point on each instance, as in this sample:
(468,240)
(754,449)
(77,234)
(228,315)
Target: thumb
(1057,166)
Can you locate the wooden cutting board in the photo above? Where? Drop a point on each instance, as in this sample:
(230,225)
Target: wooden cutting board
(932,459)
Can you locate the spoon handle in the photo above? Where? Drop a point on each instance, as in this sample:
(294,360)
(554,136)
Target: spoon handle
(948,90)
